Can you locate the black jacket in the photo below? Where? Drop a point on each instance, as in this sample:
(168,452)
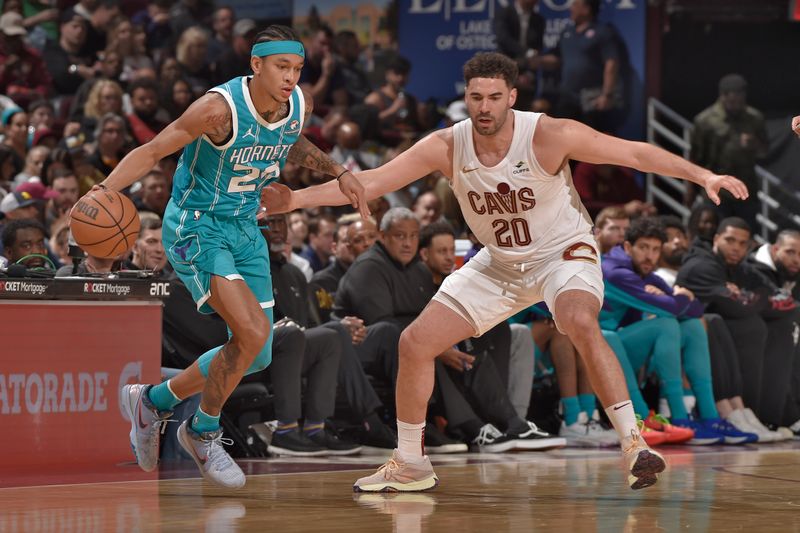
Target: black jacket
(377,288)
(706,275)
(290,289)
(507,28)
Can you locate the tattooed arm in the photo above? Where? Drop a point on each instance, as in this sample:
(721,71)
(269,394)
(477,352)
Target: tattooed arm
(209,114)
(306,154)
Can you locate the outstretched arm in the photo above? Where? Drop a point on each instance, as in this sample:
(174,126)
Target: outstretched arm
(556,141)
(432,153)
(306,154)
(210,114)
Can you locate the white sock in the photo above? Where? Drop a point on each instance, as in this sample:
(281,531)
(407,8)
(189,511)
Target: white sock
(689,401)
(623,419)
(410,441)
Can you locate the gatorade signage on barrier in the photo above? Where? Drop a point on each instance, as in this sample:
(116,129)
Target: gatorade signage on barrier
(61,368)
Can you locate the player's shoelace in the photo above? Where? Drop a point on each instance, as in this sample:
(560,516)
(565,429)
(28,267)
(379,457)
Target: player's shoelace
(389,468)
(217,456)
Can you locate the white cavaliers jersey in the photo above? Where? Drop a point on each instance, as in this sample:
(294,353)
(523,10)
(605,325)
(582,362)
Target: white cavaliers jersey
(518,211)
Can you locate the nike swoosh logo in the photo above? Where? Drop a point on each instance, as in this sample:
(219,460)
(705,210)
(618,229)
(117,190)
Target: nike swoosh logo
(465,169)
(617,408)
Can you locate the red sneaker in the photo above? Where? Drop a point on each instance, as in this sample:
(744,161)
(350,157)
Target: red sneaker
(674,434)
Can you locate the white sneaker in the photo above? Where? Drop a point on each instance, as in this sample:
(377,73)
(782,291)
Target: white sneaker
(739,420)
(146,424)
(587,433)
(754,422)
(535,438)
(211,458)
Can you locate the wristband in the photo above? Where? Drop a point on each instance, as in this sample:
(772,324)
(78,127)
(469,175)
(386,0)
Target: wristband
(345,171)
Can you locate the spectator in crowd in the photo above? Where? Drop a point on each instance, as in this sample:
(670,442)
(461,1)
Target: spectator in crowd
(144,122)
(111,135)
(675,339)
(355,79)
(601,186)
(673,250)
(91,265)
(41,115)
(298,230)
(760,318)
(126,41)
(8,169)
(34,162)
(154,194)
(519,31)
(178,97)
(59,240)
(323,285)
(321,75)
(320,242)
(184,14)
(23,243)
(192,55)
(348,149)
(729,137)
(18,206)
(703,222)
(322,344)
(104,97)
(397,110)
(222,22)
(725,372)
(610,226)
(109,69)
(780,262)
(100,15)
(67,188)
(23,76)
(65,61)
(427,208)
(148,250)
(15,130)
(588,54)
(235,60)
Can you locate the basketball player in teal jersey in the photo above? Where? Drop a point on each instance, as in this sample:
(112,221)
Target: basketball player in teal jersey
(237,137)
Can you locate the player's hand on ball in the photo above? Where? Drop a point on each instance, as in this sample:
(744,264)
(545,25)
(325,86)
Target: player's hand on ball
(715,183)
(354,191)
(277,198)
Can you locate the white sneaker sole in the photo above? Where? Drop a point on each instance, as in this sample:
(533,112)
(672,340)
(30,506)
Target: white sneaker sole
(539,444)
(277,450)
(128,401)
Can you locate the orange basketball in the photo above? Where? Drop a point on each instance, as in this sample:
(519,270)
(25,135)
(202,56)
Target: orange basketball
(104,223)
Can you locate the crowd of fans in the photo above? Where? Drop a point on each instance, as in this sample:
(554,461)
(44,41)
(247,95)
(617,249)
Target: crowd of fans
(704,324)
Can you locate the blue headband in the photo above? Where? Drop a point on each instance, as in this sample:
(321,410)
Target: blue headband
(271,48)
(8,114)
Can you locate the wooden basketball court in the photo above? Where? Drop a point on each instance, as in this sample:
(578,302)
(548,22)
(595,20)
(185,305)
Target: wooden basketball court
(751,488)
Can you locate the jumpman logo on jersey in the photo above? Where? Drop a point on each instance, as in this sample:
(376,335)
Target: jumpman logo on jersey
(250,133)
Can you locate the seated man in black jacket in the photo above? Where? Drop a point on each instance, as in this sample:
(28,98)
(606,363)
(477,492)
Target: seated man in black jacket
(761,320)
(291,296)
(399,287)
(780,263)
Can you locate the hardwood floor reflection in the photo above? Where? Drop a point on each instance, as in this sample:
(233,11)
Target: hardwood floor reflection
(707,490)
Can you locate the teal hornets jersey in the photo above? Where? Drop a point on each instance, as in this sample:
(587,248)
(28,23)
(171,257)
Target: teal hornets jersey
(227,179)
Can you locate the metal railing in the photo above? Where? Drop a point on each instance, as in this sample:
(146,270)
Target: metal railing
(671,131)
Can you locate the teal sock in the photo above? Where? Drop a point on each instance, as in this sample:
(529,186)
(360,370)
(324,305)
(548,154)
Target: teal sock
(162,397)
(588,403)
(572,408)
(204,423)
(311,427)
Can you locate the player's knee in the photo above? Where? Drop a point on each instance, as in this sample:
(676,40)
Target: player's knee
(411,345)
(578,322)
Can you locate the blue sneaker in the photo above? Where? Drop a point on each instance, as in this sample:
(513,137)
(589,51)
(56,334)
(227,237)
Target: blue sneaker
(704,435)
(731,433)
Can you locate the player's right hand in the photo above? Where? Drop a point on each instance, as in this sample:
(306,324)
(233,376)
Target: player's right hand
(277,198)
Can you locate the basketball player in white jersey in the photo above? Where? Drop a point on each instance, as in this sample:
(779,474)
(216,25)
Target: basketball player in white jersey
(510,173)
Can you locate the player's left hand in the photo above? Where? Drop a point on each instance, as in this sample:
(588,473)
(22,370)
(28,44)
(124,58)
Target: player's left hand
(354,191)
(734,186)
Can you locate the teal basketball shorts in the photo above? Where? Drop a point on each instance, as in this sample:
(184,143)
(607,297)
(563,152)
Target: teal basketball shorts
(200,244)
